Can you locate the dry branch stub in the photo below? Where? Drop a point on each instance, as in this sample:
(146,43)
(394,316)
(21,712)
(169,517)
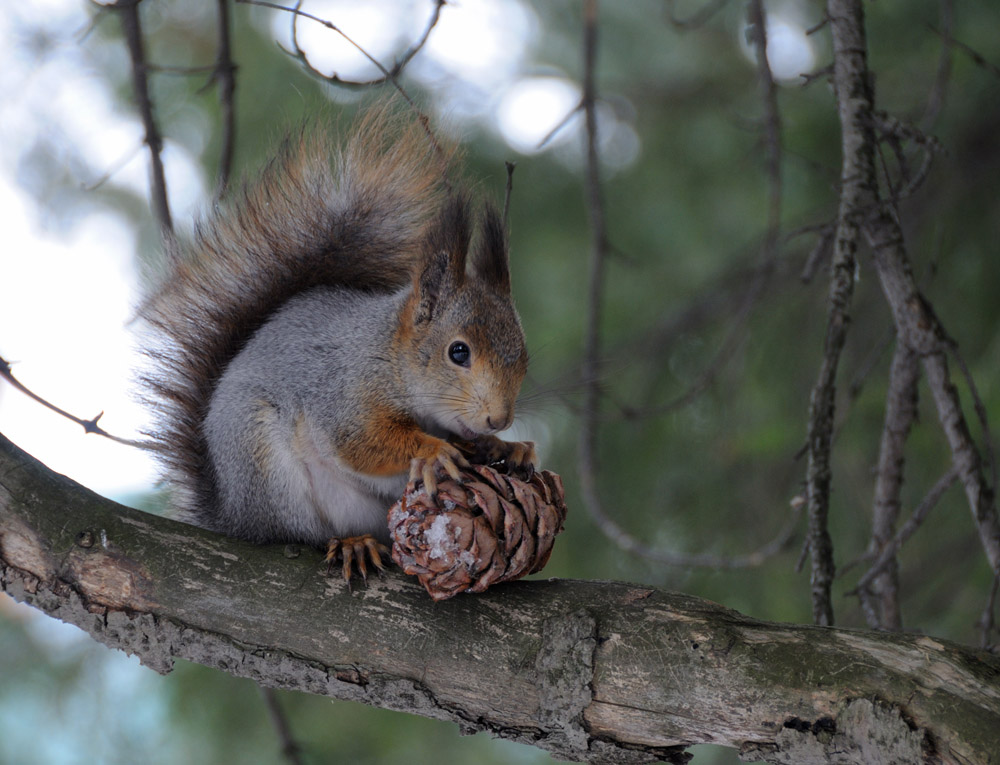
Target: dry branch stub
(492,527)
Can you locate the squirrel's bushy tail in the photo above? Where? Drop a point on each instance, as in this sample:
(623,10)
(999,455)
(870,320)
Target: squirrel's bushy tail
(318,214)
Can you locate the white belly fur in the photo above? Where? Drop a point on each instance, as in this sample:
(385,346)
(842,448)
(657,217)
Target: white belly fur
(336,500)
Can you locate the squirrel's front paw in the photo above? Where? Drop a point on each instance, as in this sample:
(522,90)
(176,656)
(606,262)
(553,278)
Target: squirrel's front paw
(447,457)
(517,456)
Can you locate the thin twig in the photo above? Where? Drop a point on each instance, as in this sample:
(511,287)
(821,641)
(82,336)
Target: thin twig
(769,248)
(559,126)
(780,542)
(808,78)
(982,501)
(697,19)
(869,608)
(183,71)
(728,293)
(725,352)
(290,749)
(977,58)
(591,367)
(89,426)
(387,76)
(980,407)
(869,362)
(888,553)
(509,166)
(598,254)
(132,31)
(225,75)
(895,131)
(114,169)
(819,254)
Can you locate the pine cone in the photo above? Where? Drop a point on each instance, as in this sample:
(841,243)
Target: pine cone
(494,527)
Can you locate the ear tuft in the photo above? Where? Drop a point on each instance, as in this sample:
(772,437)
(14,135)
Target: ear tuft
(442,268)
(491,260)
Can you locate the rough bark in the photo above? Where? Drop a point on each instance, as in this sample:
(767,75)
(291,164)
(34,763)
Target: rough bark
(591,671)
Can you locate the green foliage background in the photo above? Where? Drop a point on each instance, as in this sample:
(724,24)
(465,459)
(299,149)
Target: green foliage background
(685,222)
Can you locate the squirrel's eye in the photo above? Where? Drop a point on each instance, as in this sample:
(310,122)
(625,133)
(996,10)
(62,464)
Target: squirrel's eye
(459,353)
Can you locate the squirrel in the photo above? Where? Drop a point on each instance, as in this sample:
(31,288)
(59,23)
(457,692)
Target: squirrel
(321,340)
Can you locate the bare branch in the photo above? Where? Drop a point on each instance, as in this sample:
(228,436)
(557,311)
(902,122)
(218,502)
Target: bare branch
(980,407)
(887,554)
(900,412)
(387,75)
(559,125)
(894,131)
(769,250)
(868,364)
(987,622)
(772,123)
(224,74)
(598,254)
(977,58)
(820,253)
(591,372)
(857,162)
(290,749)
(697,19)
(132,31)
(917,326)
(89,426)
(184,71)
(509,187)
(115,167)
(982,501)
(820,74)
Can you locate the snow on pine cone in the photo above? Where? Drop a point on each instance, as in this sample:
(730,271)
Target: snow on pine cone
(492,528)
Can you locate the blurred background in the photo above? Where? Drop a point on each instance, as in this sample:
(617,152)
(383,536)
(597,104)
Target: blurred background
(682,147)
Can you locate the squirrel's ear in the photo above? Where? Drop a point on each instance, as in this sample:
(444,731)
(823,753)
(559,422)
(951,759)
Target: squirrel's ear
(442,270)
(430,284)
(491,261)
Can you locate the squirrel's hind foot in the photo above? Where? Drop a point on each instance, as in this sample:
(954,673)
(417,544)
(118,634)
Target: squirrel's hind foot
(357,551)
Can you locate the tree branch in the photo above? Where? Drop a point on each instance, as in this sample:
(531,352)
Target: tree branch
(595,671)
(132,31)
(224,73)
(917,326)
(887,554)
(854,102)
(89,426)
(900,412)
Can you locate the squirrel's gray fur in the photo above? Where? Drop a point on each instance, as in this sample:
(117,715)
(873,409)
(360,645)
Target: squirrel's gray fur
(311,314)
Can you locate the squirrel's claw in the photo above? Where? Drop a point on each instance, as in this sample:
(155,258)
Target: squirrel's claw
(357,551)
(522,457)
(518,456)
(448,458)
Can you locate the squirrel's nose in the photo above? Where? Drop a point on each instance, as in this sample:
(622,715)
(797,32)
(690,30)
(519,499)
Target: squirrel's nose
(496,424)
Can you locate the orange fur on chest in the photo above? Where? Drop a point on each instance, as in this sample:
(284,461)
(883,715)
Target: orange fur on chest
(386,443)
